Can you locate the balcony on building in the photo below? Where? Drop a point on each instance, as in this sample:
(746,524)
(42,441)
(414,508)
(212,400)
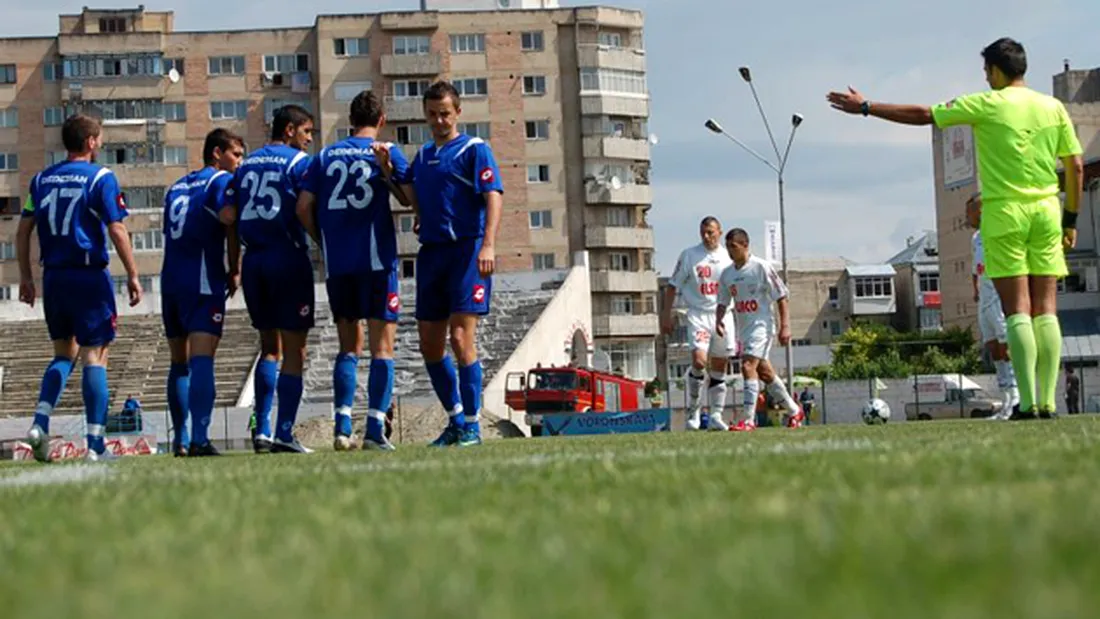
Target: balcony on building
(610,237)
(623,281)
(625,325)
(610,17)
(616,147)
(605,56)
(109,44)
(871,289)
(612,104)
(409,20)
(404,108)
(412,64)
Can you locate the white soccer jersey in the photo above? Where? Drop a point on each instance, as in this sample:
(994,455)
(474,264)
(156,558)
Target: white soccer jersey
(696,276)
(749,292)
(987,293)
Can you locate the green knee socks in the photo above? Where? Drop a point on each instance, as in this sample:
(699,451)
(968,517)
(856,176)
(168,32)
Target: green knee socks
(1048,344)
(1022,346)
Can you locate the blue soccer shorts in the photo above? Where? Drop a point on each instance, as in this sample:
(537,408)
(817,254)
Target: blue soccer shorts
(278,289)
(80,303)
(184,314)
(448,281)
(373,295)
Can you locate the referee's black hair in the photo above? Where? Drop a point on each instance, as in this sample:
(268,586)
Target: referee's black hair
(710,219)
(738,234)
(1008,55)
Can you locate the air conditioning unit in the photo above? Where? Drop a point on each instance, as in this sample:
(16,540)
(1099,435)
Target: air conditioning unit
(834,304)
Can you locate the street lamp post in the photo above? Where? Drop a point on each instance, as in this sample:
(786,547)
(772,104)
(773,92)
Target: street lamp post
(778,167)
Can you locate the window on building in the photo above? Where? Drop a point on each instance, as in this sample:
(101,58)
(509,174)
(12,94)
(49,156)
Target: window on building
(874,287)
(408,269)
(56,156)
(538,129)
(172,63)
(144,198)
(409,89)
(226,65)
(534,84)
(147,240)
(531,41)
(405,224)
(346,91)
(835,328)
(343,133)
(228,110)
(618,81)
(286,63)
(412,45)
(351,47)
(53,71)
(475,130)
(270,105)
(53,116)
(112,24)
(9,117)
(175,155)
(121,109)
(538,173)
(610,39)
(543,262)
(7,251)
(622,305)
(929,282)
(146,282)
(467,43)
(618,217)
(471,86)
(175,111)
(620,261)
(92,66)
(5,293)
(413,134)
(9,162)
(931,319)
(541,220)
(7,74)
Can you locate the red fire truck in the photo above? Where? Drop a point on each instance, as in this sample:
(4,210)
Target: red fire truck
(571,389)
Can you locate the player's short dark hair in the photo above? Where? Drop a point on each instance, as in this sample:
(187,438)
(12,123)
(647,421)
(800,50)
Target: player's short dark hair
(1008,55)
(366,110)
(738,234)
(286,116)
(708,220)
(219,138)
(441,90)
(76,130)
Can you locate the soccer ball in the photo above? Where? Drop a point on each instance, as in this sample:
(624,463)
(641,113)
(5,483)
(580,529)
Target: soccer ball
(876,412)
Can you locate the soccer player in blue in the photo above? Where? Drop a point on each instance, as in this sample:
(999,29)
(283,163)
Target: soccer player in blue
(276,272)
(459,200)
(76,205)
(194,284)
(345,206)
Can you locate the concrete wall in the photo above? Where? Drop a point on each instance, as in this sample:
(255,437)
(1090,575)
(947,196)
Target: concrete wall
(550,340)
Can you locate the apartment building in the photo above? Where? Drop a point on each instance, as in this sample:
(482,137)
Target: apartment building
(956,180)
(918,285)
(560,94)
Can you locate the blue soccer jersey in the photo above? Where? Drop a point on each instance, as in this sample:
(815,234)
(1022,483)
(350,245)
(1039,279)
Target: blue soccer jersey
(72,203)
(451,182)
(265,190)
(353,206)
(194,236)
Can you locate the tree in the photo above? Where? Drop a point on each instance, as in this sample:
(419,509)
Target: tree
(872,350)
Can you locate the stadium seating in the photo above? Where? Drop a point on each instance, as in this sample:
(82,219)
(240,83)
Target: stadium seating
(138,364)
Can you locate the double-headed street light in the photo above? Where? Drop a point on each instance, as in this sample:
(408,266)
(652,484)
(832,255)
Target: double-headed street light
(778,167)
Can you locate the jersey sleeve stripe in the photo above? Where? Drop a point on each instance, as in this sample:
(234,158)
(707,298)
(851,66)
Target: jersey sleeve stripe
(471,142)
(98,175)
(294,161)
(464,180)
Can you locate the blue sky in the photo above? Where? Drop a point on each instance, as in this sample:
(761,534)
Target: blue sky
(855,187)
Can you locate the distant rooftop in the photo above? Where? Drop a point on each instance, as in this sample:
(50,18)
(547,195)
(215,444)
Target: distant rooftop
(923,250)
(870,270)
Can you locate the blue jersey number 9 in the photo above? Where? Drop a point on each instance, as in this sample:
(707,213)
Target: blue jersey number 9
(177,214)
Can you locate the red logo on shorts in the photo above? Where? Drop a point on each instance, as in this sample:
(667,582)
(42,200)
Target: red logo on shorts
(393,302)
(114,321)
(303,311)
(479,293)
(487,175)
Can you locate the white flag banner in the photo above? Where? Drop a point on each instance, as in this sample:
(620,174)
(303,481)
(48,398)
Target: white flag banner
(773,242)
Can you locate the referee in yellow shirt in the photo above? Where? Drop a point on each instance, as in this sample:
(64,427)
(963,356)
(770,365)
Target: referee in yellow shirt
(1020,135)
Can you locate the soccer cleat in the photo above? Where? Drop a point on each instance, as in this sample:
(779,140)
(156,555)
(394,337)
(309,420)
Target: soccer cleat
(341,443)
(261,444)
(92,456)
(39,441)
(717,424)
(795,420)
(293,447)
(1048,415)
(1019,415)
(450,436)
(179,451)
(372,444)
(693,421)
(745,425)
(469,437)
(202,451)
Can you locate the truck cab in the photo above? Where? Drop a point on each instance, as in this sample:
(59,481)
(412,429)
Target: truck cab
(949,396)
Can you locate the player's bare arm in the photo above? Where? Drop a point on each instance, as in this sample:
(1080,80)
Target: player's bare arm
(784,321)
(27,293)
(307,214)
(233,255)
(852,102)
(719,315)
(974,280)
(1075,186)
(494,208)
(385,165)
(666,311)
(120,237)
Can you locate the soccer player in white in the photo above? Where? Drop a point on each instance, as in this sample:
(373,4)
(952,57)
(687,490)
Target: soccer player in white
(991,317)
(695,278)
(749,287)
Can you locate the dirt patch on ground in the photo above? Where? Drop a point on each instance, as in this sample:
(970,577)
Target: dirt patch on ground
(412,424)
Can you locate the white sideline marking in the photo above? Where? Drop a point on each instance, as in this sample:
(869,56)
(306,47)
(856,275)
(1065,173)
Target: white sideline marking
(545,460)
(55,475)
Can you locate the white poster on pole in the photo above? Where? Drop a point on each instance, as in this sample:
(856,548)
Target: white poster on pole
(773,242)
(959,162)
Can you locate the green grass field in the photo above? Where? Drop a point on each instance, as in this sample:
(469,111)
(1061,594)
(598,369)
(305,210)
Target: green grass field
(936,520)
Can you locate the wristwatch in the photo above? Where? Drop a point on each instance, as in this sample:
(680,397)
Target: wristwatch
(865,107)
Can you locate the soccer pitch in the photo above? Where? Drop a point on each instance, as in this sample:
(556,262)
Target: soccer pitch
(939,519)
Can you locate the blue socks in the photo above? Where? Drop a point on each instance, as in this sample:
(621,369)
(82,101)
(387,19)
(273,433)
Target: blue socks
(379,395)
(264,380)
(95,405)
(201,396)
(53,383)
(469,383)
(179,383)
(290,396)
(442,374)
(344,378)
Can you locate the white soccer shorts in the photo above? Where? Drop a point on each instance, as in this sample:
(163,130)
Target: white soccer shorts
(991,323)
(701,335)
(755,342)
